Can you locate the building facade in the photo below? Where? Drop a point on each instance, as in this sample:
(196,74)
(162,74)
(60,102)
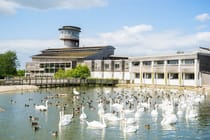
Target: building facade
(179,69)
(168,70)
(183,69)
(49,61)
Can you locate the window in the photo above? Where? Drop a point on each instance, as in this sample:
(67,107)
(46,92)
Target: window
(47,65)
(172,62)
(68,65)
(135,63)
(159,76)
(188,61)
(52,65)
(126,65)
(159,62)
(56,65)
(147,63)
(189,76)
(106,66)
(97,66)
(173,75)
(41,65)
(137,75)
(62,65)
(117,66)
(147,75)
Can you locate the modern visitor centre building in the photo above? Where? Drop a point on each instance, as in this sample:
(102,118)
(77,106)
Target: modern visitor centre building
(181,69)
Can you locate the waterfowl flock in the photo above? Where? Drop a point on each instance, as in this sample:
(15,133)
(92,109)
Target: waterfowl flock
(123,107)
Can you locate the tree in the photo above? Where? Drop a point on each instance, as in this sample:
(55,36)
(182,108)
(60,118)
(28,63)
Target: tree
(60,74)
(81,71)
(8,64)
(20,73)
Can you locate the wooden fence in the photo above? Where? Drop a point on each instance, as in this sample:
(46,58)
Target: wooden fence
(52,82)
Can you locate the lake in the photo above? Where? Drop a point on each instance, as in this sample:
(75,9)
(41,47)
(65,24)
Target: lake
(15,123)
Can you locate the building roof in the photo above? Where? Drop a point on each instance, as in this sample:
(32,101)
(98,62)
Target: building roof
(190,55)
(72,53)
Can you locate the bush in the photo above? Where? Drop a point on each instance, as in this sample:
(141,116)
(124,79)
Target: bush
(81,71)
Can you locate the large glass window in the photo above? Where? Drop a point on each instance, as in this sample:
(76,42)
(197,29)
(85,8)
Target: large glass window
(117,66)
(126,65)
(68,65)
(52,65)
(147,75)
(188,61)
(137,75)
(159,76)
(135,63)
(159,62)
(107,66)
(147,63)
(172,62)
(41,65)
(173,75)
(189,76)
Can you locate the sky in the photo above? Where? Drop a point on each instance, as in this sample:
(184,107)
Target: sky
(133,27)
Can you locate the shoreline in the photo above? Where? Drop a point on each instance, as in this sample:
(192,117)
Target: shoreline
(17,88)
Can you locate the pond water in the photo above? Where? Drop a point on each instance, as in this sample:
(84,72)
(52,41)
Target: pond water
(16,125)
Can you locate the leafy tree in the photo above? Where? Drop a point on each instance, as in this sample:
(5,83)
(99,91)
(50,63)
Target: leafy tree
(8,64)
(60,74)
(20,72)
(81,71)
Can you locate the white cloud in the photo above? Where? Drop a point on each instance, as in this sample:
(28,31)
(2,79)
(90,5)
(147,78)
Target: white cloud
(203,17)
(27,48)
(130,42)
(8,7)
(12,5)
(202,27)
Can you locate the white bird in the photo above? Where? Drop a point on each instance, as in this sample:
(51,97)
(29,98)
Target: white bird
(83,115)
(169,119)
(65,119)
(97,124)
(154,112)
(130,128)
(75,92)
(42,107)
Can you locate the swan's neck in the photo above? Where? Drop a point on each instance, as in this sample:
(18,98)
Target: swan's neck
(82,110)
(103,122)
(46,104)
(110,105)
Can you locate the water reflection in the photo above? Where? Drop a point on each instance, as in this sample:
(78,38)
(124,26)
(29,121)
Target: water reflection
(15,122)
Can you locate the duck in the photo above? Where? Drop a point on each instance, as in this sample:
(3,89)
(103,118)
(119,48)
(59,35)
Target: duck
(32,118)
(54,133)
(42,107)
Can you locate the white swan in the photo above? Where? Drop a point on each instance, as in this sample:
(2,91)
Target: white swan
(169,119)
(75,92)
(65,119)
(97,124)
(83,115)
(130,128)
(42,107)
(191,113)
(154,112)
(117,107)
